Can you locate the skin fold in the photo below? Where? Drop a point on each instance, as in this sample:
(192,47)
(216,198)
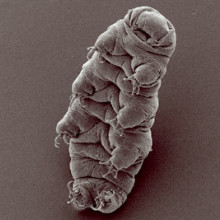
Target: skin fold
(113,107)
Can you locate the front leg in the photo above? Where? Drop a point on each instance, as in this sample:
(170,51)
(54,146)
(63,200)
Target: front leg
(106,41)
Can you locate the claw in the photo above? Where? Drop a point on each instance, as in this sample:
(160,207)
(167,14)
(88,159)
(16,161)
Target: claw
(66,138)
(135,85)
(70,185)
(83,95)
(79,196)
(139,160)
(116,126)
(91,51)
(81,99)
(57,141)
(104,201)
(111,169)
(62,137)
(71,192)
(136,88)
(71,201)
(104,162)
(109,194)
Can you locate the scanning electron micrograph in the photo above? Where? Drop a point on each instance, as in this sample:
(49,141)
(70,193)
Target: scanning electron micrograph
(113,106)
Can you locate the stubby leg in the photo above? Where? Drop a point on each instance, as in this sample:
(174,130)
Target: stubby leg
(130,116)
(66,128)
(99,194)
(82,85)
(109,94)
(102,111)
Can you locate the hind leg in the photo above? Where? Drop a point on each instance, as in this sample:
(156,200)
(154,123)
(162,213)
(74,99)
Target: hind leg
(80,197)
(98,194)
(108,201)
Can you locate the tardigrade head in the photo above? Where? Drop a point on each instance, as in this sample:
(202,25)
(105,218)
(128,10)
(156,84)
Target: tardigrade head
(152,28)
(149,22)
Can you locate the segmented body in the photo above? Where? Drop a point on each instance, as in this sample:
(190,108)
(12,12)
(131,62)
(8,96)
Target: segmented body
(113,107)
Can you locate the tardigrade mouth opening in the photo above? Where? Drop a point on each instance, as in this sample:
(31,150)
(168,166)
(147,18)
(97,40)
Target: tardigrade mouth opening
(148,24)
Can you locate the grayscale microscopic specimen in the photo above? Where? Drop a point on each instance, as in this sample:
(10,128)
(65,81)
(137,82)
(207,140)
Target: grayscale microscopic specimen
(113,107)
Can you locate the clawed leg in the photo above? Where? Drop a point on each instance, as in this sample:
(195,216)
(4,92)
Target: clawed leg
(135,85)
(92,50)
(62,137)
(116,126)
(103,198)
(108,94)
(66,129)
(82,85)
(67,124)
(108,201)
(79,196)
(111,169)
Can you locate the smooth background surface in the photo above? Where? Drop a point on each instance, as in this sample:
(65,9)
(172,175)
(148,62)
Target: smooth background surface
(42,48)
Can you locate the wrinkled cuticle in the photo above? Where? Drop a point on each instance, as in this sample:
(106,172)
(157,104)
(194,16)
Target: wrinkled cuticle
(113,181)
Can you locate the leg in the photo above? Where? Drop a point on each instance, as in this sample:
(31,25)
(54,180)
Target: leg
(75,121)
(90,70)
(98,134)
(67,125)
(109,200)
(80,197)
(108,94)
(128,148)
(102,111)
(99,194)
(130,116)
(124,156)
(82,85)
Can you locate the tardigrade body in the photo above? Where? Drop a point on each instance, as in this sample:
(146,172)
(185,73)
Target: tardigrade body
(114,103)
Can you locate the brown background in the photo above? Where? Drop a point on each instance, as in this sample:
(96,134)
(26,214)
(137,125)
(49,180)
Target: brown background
(42,48)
